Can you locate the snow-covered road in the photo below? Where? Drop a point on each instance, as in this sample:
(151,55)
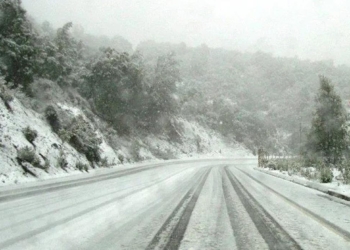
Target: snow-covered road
(222,204)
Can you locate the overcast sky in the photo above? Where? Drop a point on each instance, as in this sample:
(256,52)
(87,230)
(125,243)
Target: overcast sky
(308,29)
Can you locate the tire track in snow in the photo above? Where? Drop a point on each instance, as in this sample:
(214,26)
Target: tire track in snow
(246,235)
(273,234)
(16,239)
(170,235)
(85,201)
(10,195)
(334,228)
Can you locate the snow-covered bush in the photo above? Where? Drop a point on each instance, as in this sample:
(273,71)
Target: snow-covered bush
(121,158)
(282,165)
(83,138)
(28,155)
(135,151)
(30,134)
(47,164)
(346,171)
(62,161)
(326,174)
(104,162)
(52,117)
(309,173)
(279,164)
(5,93)
(82,167)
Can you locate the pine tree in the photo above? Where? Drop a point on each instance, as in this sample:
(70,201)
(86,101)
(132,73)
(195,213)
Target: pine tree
(327,137)
(17,50)
(162,91)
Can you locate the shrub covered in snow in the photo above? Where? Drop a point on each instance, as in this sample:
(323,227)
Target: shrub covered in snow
(82,167)
(5,93)
(346,171)
(135,151)
(61,161)
(104,162)
(52,117)
(30,134)
(121,158)
(28,155)
(83,138)
(326,174)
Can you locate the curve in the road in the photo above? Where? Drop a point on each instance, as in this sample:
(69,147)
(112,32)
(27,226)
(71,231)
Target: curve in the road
(29,191)
(36,231)
(86,201)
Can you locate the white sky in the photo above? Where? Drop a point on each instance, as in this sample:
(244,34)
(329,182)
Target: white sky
(309,29)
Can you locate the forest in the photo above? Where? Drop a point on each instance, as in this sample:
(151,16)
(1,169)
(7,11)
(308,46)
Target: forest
(255,99)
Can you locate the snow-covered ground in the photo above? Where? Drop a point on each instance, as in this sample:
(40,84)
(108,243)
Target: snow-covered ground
(196,142)
(235,208)
(311,217)
(336,184)
(47,143)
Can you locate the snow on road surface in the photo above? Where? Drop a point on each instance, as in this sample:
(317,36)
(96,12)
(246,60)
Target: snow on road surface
(222,204)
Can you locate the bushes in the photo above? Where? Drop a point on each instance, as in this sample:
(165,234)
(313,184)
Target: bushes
(346,173)
(309,168)
(5,95)
(279,164)
(61,161)
(52,117)
(81,136)
(345,170)
(283,165)
(30,134)
(121,158)
(326,174)
(84,139)
(135,151)
(104,162)
(28,155)
(308,173)
(92,153)
(166,155)
(82,167)
(323,170)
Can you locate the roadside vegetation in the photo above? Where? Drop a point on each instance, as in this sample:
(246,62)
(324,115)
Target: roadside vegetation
(326,147)
(128,94)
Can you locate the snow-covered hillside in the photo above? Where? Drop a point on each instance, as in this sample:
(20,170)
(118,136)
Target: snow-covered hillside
(59,158)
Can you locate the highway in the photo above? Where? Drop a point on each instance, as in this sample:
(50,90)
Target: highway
(203,204)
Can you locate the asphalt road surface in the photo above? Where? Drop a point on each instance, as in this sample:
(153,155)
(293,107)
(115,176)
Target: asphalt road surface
(213,204)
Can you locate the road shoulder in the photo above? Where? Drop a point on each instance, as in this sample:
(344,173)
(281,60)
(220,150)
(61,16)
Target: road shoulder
(310,184)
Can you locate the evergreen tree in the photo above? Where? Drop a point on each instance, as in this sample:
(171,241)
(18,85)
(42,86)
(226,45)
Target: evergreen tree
(327,137)
(17,49)
(114,84)
(69,54)
(163,89)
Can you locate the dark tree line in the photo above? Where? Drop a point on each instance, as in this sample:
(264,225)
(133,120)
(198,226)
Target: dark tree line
(120,88)
(253,98)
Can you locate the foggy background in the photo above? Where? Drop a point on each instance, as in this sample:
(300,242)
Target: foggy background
(307,29)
